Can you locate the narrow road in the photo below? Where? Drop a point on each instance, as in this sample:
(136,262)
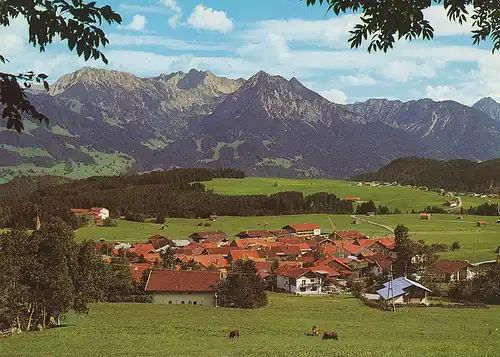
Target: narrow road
(390,229)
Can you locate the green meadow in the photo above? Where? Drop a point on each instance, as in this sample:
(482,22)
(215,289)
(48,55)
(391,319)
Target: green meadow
(477,244)
(121,330)
(404,198)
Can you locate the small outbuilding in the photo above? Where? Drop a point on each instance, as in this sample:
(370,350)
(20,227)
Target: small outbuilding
(426,216)
(404,291)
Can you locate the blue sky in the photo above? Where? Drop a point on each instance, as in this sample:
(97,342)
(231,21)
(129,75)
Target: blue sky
(238,38)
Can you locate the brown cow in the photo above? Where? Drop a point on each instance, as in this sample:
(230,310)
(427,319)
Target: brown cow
(330,336)
(315,331)
(235,333)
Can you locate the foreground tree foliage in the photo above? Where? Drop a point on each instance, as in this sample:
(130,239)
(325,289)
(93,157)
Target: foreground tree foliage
(45,274)
(243,288)
(383,22)
(484,287)
(74,22)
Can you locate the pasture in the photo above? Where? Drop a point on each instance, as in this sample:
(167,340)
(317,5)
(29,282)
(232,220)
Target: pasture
(277,330)
(404,198)
(477,244)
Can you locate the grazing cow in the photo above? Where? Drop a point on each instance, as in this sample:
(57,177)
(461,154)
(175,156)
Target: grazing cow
(235,333)
(315,331)
(330,336)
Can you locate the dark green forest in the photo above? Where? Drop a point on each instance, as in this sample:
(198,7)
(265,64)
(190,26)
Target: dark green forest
(455,175)
(174,193)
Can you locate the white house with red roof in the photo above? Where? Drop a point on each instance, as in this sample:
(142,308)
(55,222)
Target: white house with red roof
(298,280)
(184,287)
(305,229)
(100,212)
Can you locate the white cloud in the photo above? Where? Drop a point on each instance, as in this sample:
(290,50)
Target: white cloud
(402,71)
(272,48)
(359,80)
(206,18)
(163,41)
(175,19)
(334,95)
(138,23)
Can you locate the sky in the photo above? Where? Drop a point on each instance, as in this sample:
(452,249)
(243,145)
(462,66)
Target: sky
(282,37)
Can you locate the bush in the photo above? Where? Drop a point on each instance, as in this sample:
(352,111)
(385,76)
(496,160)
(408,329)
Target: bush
(160,219)
(108,222)
(207,224)
(455,246)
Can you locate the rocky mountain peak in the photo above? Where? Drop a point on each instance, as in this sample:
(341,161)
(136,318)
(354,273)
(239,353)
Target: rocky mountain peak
(489,106)
(98,78)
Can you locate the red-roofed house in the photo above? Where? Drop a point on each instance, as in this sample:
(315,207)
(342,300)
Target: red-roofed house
(326,270)
(212,260)
(306,229)
(347,235)
(243,254)
(212,236)
(192,287)
(446,271)
(298,280)
(337,264)
(138,270)
(94,212)
(378,264)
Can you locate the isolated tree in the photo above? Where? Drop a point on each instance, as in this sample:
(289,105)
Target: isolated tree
(383,22)
(74,22)
(455,245)
(403,246)
(243,288)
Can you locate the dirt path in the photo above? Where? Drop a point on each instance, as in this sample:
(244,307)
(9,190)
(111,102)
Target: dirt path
(390,229)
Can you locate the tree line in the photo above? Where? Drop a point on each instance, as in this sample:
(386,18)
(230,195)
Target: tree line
(175,193)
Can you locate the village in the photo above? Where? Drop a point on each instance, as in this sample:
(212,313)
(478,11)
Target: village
(298,259)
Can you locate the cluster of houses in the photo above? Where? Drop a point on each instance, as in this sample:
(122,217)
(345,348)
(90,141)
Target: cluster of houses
(296,259)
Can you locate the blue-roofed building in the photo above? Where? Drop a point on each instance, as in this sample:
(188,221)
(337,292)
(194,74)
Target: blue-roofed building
(404,291)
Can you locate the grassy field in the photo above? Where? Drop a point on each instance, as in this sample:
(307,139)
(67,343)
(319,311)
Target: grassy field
(278,330)
(404,198)
(477,244)
(180,227)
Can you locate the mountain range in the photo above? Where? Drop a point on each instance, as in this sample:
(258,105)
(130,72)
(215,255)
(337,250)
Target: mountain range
(108,122)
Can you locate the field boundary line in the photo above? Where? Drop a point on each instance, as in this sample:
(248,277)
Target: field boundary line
(390,229)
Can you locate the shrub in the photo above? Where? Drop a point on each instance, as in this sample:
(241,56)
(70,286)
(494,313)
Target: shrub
(455,246)
(108,222)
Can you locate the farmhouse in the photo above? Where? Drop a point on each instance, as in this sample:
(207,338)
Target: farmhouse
(425,216)
(404,291)
(192,287)
(298,280)
(446,271)
(94,212)
(306,229)
(353,199)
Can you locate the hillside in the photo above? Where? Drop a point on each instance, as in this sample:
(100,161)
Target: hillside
(461,175)
(266,125)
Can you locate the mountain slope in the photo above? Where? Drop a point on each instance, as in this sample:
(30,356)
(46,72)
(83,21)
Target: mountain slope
(489,106)
(462,175)
(109,122)
(450,129)
(277,127)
